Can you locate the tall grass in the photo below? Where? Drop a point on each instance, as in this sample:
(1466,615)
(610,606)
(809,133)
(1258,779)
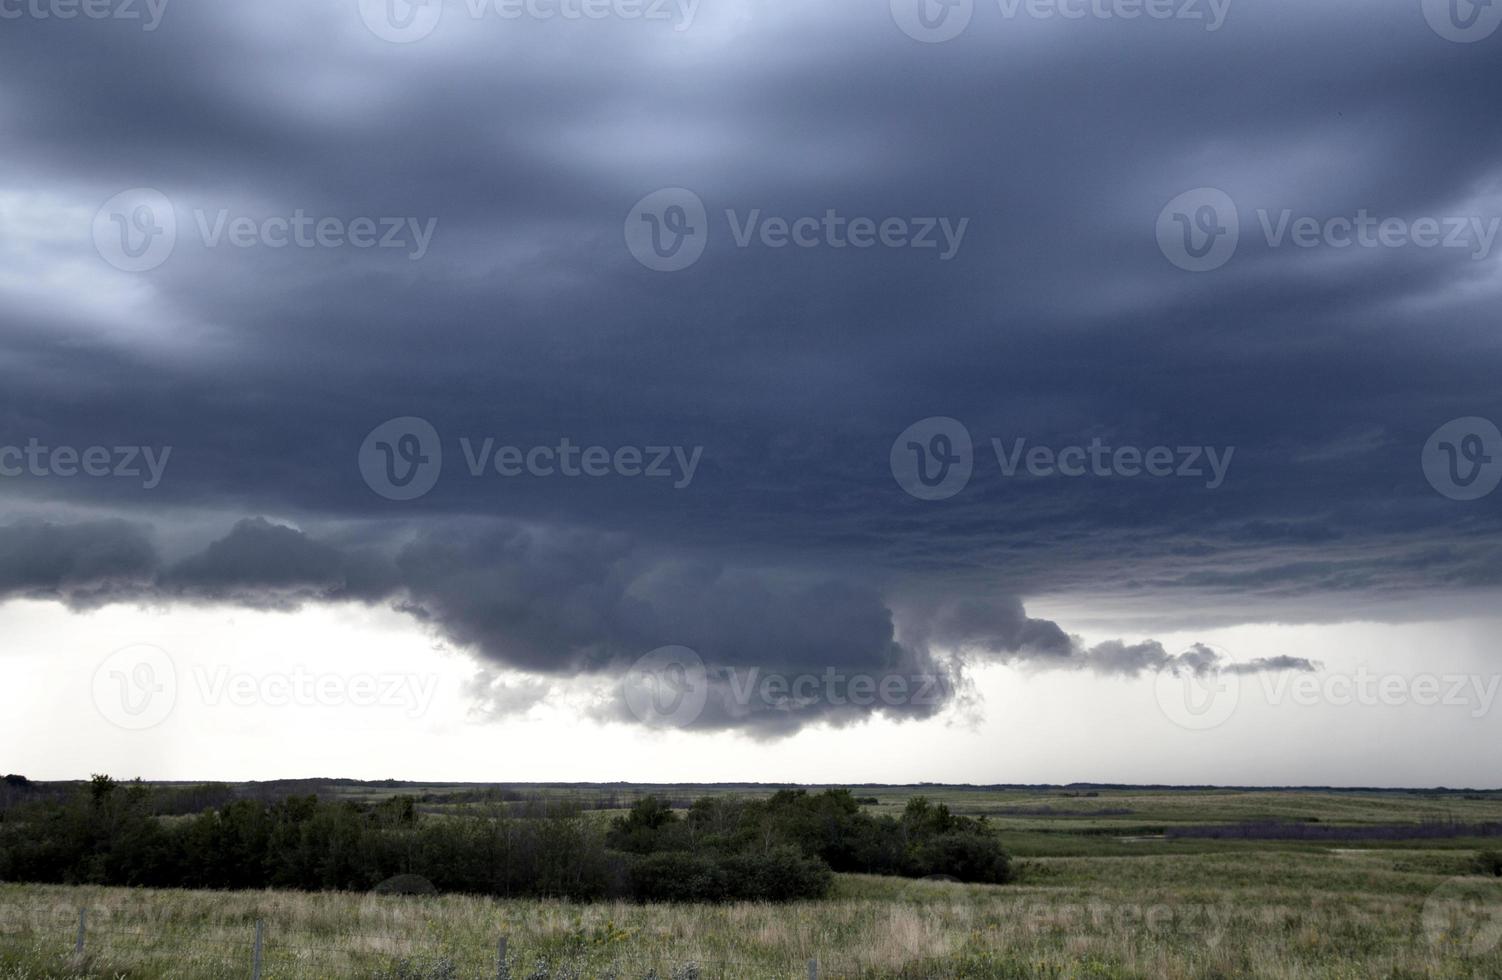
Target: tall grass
(1295,913)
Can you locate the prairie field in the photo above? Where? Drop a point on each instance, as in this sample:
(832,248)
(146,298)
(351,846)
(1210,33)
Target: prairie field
(1099,892)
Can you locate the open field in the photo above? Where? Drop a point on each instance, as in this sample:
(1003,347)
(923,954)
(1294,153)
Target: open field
(1090,901)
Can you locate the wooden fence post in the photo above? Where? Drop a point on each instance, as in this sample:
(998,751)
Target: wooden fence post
(83,928)
(502,968)
(255,968)
(813,969)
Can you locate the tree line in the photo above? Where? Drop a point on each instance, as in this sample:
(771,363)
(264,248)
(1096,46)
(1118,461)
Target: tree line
(723,848)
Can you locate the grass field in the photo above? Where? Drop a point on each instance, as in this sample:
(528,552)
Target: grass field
(1097,896)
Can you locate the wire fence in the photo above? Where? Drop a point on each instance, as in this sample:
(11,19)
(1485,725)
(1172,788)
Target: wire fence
(90,942)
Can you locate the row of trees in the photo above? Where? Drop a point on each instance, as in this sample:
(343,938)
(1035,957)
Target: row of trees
(927,839)
(778,849)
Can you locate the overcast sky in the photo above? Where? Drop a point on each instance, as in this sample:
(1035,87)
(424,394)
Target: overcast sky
(729,389)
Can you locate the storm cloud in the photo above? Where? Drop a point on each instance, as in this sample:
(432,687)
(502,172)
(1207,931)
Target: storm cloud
(524,144)
(579,604)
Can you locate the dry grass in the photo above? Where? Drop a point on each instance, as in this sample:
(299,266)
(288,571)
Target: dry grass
(1275,914)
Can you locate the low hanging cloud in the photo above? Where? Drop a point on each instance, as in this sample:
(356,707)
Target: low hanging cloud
(81,565)
(999,630)
(781,649)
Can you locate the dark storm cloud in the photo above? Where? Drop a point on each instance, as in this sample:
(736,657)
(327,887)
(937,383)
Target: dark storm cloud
(565,605)
(80,564)
(1058,320)
(260,563)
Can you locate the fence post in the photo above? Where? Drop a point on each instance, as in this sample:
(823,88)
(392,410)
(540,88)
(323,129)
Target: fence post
(502,968)
(83,928)
(813,969)
(255,968)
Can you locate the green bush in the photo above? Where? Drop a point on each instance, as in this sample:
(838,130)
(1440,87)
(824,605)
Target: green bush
(779,875)
(966,856)
(676,876)
(1489,863)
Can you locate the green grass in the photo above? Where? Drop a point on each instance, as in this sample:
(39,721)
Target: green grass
(1086,904)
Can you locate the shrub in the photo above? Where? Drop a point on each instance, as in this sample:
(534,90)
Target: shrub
(676,876)
(966,856)
(1489,863)
(779,875)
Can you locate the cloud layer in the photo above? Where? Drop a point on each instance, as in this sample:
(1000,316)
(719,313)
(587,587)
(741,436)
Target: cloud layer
(527,320)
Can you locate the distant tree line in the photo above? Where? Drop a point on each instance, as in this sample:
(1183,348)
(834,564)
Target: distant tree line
(725,848)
